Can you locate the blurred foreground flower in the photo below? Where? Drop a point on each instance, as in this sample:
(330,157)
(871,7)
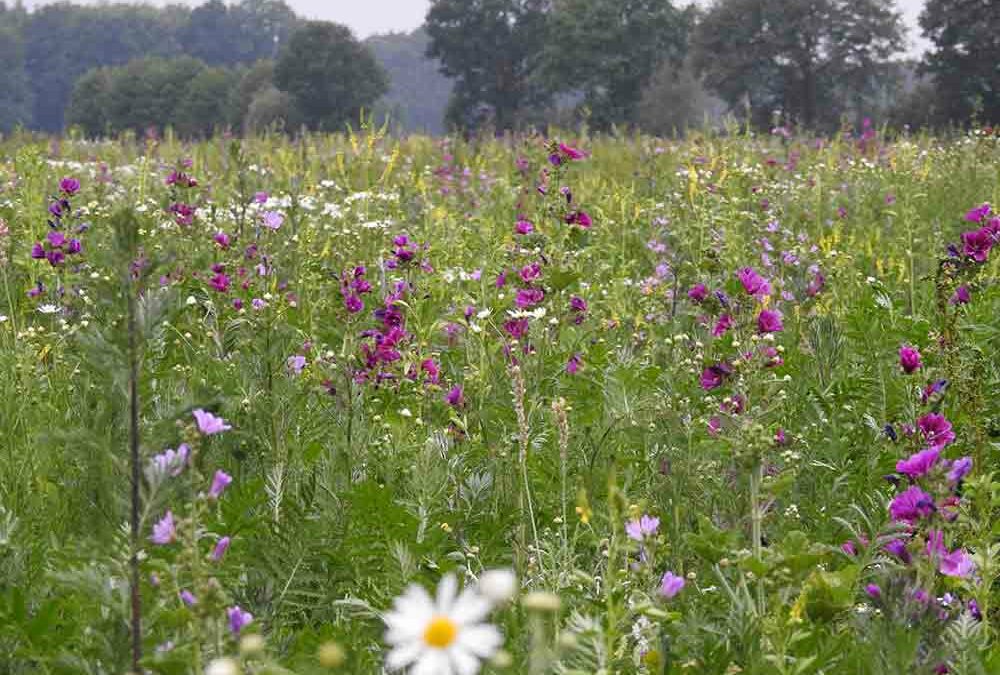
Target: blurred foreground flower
(443,635)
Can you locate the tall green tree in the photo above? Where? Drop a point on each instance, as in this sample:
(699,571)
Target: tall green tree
(608,50)
(492,48)
(965,60)
(15,90)
(807,58)
(330,76)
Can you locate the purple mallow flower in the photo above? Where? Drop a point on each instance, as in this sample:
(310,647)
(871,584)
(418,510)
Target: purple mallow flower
(164,530)
(671,585)
(909,359)
(962,296)
(69,186)
(187,597)
(978,214)
(976,244)
(209,424)
(455,397)
(919,464)
(936,429)
(524,226)
(238,619)
(960,468)
(698,293)
(296,363)
(897,547)
(713,376)
(272,220)
(911,505)
(642,528)
(220,481)
(220,549)
(769,321)
(753,283)
(171,461)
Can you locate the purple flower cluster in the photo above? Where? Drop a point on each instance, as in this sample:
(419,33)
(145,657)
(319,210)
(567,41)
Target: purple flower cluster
(57,246)
(976,244)
(352,286)
(180,183)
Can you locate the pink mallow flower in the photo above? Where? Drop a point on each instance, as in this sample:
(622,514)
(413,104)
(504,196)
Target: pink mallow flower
(209,424)
(713,376)
(671,585)
(220,549)
(296,363)
(238,619)
(769,321)
(753,283)
(642,528)
(698,293)
(164,530)
(455,397)
(911,505)
(936,429)
(220,481)
(918,464)
(909,359)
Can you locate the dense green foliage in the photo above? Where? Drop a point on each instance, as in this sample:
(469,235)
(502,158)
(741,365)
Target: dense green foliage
(608,50)
(963,61)
(330,76)
(551,384)
(661,65)
(491,48)
(812,61)
(61,42)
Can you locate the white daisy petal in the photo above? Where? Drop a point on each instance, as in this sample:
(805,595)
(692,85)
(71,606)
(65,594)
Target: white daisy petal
(470,607)
(446,593)
(433,662)
(482,640)
(464,662)
(404,655)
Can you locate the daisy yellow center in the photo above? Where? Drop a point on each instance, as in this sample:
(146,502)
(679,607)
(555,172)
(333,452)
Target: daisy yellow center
(441,632)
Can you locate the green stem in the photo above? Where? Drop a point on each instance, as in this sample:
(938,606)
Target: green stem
(756,522)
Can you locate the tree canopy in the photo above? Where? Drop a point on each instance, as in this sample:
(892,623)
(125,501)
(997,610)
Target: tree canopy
(608,50)
(330,76)
(964,59)
(492,50)
(805,58)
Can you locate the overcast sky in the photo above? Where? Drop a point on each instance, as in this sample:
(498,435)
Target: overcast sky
(378,16)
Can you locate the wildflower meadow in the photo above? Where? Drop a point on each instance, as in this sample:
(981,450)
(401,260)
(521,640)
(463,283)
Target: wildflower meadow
(563,403)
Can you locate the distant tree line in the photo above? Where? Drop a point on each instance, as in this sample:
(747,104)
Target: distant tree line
(814,63)
(496,64)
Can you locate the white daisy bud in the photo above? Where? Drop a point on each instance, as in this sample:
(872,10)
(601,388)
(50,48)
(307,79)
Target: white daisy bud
(498,586)
(223,667)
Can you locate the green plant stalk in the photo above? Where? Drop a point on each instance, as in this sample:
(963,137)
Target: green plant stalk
(756,526)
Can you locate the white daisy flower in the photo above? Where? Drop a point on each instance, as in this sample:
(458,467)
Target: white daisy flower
(445,635)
